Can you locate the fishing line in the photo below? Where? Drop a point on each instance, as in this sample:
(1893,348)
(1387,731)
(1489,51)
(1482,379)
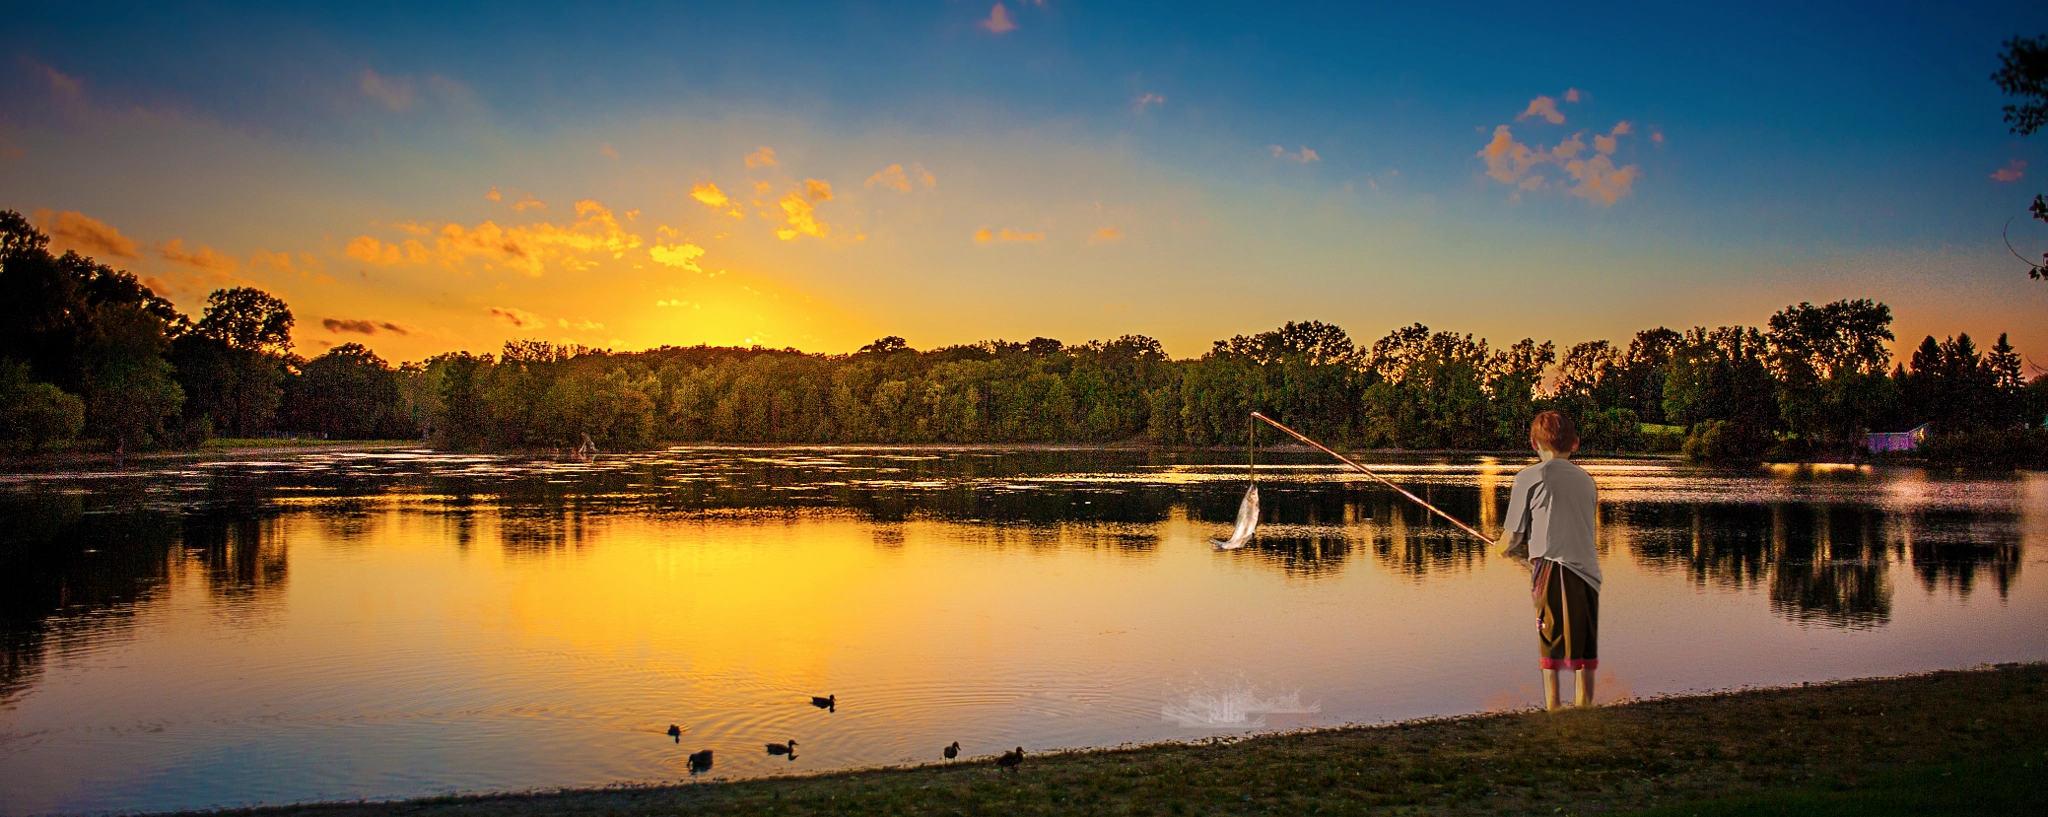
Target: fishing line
(1368,472)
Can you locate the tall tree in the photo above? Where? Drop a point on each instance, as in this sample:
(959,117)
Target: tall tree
(2023,73)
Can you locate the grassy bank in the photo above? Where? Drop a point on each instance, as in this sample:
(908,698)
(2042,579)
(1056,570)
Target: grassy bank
(1975,738)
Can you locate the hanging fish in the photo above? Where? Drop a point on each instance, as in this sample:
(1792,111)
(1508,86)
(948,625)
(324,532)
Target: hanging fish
(1247,522)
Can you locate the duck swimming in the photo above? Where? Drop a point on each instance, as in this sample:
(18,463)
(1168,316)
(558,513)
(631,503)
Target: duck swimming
(676,732)
(829,702)
(783,748)
(700,761)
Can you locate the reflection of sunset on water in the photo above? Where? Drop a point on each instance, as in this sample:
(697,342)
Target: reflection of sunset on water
(412,623)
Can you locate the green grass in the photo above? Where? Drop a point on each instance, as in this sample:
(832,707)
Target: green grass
(1880,740)
(2011,784)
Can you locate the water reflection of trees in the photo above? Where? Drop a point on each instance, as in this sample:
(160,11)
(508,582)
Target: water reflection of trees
(74,568)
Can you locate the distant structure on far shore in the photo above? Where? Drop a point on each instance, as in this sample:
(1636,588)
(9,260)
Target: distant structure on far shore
(1883,441)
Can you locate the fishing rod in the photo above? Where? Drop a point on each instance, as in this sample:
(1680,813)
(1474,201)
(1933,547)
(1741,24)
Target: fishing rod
(1383,480)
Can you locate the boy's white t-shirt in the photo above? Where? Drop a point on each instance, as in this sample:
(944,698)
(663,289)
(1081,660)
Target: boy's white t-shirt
(1556,505)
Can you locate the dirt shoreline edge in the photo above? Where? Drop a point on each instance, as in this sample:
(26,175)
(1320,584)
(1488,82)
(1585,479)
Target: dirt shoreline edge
(1625,757)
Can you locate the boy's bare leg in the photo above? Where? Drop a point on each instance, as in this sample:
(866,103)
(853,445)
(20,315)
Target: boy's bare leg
(1585,685)
(1550,690)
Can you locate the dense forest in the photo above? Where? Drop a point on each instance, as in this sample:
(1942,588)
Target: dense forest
(91,358)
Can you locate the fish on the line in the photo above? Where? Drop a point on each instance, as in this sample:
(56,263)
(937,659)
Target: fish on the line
(829,702)
(1247,522)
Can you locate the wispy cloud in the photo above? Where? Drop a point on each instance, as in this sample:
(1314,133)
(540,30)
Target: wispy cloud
(72,230)
(518,318)
(529,249)
(891,177)
(64,86)
(1106,235)
(606,149)
(763,156)
(356,326)
(1303,157)
(1595,178)
(801,217)
(203,257)
(999,21)
(817,191)
(2012,171)
(1149,99)
(986,235)
(392,92)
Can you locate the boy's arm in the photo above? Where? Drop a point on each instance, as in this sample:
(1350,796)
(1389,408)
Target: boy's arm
(1515,545)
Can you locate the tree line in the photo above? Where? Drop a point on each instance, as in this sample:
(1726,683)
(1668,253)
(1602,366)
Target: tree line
(91,358)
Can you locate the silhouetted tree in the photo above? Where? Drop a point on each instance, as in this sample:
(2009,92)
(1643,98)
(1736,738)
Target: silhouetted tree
(2023,72)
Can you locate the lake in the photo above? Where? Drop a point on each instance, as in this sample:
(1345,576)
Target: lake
(403,623)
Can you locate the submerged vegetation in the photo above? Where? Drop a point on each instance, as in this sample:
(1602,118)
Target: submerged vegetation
(1951,742)
(91,358)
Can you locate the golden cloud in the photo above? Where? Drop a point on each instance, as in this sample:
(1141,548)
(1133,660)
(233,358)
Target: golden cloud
(371,251)
(998,21)
(682,255)
(985,235)
(763,156)
(519,318)
(891,177)
(1304,157)
(583,325)
(2011,172)
(817,191)
(528,203)
(1105,235)
(802,222)
(72,230)
(202,258)
(606,149)
(709,194)
(528,249)
(493,195)
(1596,179)
(1545,108)
(342,326)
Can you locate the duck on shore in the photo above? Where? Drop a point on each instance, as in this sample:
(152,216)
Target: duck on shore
(953,751)
(1011,760)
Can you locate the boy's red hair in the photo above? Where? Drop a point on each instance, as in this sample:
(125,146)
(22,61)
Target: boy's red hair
(1554,431)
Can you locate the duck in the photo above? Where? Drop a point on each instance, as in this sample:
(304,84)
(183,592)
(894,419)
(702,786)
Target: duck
(1011,759)
(675,732)
(953,751)
(829,702)
(700,761)
(783,748)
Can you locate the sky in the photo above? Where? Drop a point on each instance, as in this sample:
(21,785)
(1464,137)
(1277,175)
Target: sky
(426,179)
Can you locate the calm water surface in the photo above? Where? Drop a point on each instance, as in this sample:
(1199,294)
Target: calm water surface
(408,623)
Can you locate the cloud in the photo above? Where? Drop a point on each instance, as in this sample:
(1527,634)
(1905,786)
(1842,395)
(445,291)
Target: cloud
(1657,136)
(72,230)
(606,149)
(63,85)
(764,156)
(709,194)
(891,177)
(202,258)
(528,203)
(1576,95)
(1607,144)
(342,326)
(1545,108)
(519,318)
(1595,179)
(530,249)
(2011,172)
(1304,157)
(682,255)
(494,195)
(801,220)
(817,191)
(584,325)
(998,21)
(395,94)
(985,235)
(1105,235)
(1148,99)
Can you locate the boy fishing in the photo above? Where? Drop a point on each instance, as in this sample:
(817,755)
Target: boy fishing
(1551,516)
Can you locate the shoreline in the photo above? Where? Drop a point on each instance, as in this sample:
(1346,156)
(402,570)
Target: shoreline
(1843,737)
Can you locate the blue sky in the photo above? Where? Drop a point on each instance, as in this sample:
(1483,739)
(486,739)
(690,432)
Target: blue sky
(1187,172)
